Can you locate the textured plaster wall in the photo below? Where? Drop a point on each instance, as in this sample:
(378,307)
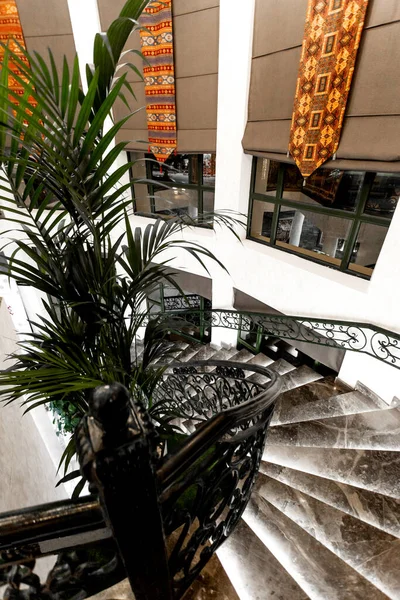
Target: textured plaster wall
(27,473)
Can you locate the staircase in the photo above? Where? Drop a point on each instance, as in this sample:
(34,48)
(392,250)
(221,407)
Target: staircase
(324,519)
(323,522)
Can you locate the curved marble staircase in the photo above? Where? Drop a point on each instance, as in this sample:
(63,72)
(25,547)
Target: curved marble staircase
(323,522)
(324,519)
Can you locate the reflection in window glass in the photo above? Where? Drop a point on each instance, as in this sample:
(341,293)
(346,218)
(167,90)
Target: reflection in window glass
(176,201)
(261,222)
(208,201)
(209,170)
(367,248)
(325,187)
(140,190)
(384,195)
(318,233)
(266,176)
(178,168)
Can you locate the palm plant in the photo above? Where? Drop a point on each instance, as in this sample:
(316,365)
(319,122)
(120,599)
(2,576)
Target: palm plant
(64,203)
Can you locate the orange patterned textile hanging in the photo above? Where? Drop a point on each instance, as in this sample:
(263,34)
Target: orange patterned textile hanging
(331,40)
(159,77)
(10,30)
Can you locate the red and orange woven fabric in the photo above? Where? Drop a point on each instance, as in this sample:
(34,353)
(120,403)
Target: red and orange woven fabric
(159,77)
(331,40)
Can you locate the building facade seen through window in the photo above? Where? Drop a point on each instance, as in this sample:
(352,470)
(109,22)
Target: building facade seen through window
(183,186)
(338,218)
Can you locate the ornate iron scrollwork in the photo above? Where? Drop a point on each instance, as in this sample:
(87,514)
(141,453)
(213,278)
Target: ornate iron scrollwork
(358,337)
(203,502)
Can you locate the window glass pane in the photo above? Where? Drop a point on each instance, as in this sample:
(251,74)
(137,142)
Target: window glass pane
(384,195)
(314,234)
(208,201)
(209,170)
(179,168)
(140,190)
(176,201)
(367,248)
(261,221)
(266,176)
(325,187)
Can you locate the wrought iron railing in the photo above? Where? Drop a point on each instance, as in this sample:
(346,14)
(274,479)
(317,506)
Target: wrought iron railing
(159,511)
(375,341)
(198,326)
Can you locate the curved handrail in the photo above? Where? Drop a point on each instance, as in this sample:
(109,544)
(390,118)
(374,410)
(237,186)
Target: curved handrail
(215,427)
(367,338)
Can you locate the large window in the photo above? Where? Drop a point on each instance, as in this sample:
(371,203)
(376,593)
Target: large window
(338,218)
(184,185)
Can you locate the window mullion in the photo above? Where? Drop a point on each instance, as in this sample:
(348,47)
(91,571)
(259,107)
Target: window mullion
(352,238)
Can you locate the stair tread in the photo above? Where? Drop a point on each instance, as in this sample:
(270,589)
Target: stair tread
(317,570)
(363,547)
(244,558)
(374,470)
(204,353)
(301,404)
(280,366)
(299,377)
(376,509)
(223,354)
(378,430)
(243,356)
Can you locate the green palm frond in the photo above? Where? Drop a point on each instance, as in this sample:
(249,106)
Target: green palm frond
(63,201)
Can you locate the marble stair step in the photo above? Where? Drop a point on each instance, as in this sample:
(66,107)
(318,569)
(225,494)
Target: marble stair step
(253,570)
(377,430)
(280,366)
(242,356)
(223,354)
(375,509)
(373,553)
(373,470)
(190,351)
(203,353)
(172,352)
(311,400)
(292,379)
(318,571)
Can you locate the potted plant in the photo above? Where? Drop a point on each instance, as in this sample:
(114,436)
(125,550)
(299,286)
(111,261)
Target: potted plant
(64,204)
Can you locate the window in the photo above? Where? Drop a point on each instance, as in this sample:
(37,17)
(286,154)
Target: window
(184,185)
(337,218)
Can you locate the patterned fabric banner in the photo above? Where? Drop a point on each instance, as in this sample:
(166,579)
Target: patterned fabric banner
(159,78)
(331,39)
(10,30)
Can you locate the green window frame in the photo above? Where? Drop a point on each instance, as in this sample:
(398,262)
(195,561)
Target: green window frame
(355,219)
(195,174)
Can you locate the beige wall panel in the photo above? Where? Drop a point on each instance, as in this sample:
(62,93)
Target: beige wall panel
(60,45)
(196,101)
(370,138)
(376,85)
(267,136)
(138,120)
(109,10)
(203,140)
(44,17)
(181,7)
(188,140)
(273,85)
(363,138)
(196,43)
(135,139)
(278,25)
(382,11)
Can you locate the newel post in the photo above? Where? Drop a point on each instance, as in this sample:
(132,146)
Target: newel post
(116,451)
